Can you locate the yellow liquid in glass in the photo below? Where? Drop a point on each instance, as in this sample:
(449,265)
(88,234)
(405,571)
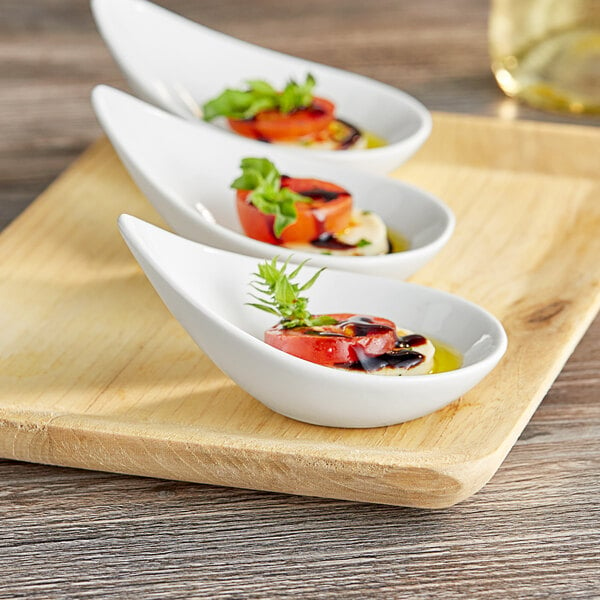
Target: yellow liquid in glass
(547,53)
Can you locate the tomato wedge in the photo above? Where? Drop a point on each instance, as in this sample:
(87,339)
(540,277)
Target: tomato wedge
(336,344)
(272,125)
(329,212)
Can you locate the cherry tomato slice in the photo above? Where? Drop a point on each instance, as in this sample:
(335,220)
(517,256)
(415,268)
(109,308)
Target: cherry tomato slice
(329,212)
(336,344)
(272,125)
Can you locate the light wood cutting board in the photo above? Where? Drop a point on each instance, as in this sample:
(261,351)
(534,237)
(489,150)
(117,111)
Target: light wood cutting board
(95,373)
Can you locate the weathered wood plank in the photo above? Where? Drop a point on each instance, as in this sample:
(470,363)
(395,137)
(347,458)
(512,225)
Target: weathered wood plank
(51,57)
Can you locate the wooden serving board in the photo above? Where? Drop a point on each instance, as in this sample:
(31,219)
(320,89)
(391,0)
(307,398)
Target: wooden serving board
(95,373)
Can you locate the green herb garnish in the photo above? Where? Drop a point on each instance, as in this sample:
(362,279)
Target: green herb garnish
(363,242)
(262,177)
(260,96)
(278,295)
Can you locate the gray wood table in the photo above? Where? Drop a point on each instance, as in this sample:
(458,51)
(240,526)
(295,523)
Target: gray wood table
(532,532)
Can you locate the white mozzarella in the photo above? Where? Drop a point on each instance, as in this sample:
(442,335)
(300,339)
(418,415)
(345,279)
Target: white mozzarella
(364,226)
(427,350)
(369,227)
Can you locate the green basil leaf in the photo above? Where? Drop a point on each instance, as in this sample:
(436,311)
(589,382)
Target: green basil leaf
(260,105)
(287,194)
(287,101)
(282,295)
(263,307)
(284,292)
(264,180)
(312,280)
(260,96)
(248,180)
(281,222)
(231,103)
(261,87)
(287,208)
(323,320)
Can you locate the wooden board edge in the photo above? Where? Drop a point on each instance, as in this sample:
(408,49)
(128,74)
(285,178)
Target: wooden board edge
(525,124)
(514,147)
(433,487)
(420,480)
(394,478)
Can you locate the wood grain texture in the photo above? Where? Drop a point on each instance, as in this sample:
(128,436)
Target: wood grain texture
(113,383)
(532,532)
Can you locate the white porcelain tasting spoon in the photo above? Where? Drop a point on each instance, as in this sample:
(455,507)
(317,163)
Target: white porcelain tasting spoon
(179,65)
(186,172)
(206,290)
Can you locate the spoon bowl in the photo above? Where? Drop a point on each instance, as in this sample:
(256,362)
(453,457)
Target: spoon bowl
(179,65)
(186,172)
(206,290)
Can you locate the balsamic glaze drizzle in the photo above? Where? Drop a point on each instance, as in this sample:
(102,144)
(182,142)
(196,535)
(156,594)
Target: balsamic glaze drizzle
(328,241)
(397,358)
(410,341)
(315,112)
(401,357)
(361,326)
(356,326)
(317,193)
(320,194)
(353,135)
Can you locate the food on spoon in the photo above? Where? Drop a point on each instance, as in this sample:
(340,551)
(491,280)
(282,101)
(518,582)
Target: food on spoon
(340,340)
(290,116)
(307,215)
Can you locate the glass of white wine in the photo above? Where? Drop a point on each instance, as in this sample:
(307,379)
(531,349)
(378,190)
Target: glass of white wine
(547,52)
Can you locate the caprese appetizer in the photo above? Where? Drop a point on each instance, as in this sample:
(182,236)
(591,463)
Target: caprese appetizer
(289,116)
(308,215)
(348,341)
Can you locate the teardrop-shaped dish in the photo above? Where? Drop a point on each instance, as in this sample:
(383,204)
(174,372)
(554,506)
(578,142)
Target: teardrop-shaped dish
(206,290)
(178,65)
(186,171)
